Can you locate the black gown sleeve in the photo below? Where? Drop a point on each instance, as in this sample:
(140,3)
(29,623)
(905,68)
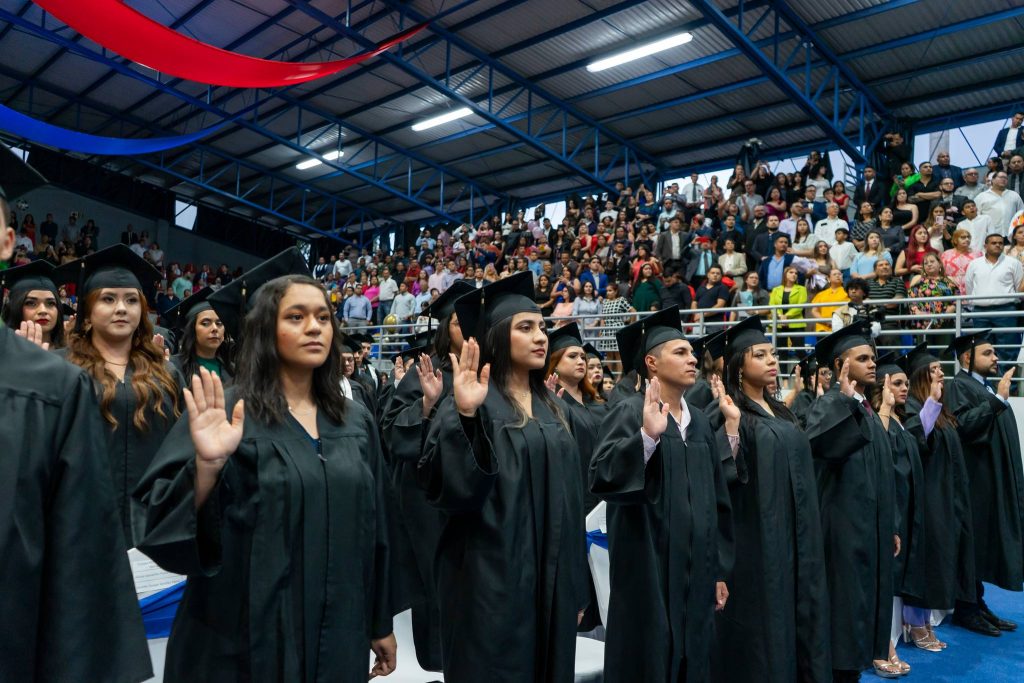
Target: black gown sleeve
(458,468)
(975,418)
(617,470)
(403,423)
(387,576)
(90,627)
(837,427)
(723,504)
(173,533)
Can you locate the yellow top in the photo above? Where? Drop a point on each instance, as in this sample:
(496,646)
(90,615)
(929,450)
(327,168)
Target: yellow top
(828,296)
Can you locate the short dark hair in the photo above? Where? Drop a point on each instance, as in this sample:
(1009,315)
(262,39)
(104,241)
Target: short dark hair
(858,283)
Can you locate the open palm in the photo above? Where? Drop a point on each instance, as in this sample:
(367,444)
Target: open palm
(469,387)
(214,437)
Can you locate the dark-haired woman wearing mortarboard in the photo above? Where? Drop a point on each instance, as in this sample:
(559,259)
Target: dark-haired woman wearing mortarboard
(502,465)
(33,296)
(204,342)
(775,625)
(272,499)
(113,341)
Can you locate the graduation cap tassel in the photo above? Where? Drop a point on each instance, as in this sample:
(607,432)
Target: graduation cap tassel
(481,322)
(79,289)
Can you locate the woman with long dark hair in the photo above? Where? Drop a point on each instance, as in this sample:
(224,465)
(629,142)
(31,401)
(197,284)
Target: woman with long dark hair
(502,465)
(778,623)
(204,342)
(113,342)
(404,424)
(888,399)
(33,297)
(948,525)
(272,499)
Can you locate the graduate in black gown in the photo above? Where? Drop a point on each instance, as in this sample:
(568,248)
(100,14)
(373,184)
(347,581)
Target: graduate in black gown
(405,423)
(700,395)
(502,464)
(777,615)
(595,369)
(352,387)
(202,338)
(569,376)
(68,603)
(991,444)
(948,557)
(32,295)
(856,493)
(113,341)
(273,500)
(658,466)
(811,382)
(888,399)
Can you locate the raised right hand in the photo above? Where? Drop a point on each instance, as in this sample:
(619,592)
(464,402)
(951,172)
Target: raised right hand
(214,438)
(470,389)
(32,332)
(936,389)
(846,385)
(655,412)
(430,382)
(1004,384)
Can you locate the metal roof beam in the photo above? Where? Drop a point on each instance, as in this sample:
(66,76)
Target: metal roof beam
(405,194)
(488,109)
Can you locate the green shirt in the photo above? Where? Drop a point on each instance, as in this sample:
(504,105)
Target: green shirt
(211,365)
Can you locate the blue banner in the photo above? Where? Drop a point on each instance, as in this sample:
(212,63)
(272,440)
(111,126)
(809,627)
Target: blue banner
(158,610)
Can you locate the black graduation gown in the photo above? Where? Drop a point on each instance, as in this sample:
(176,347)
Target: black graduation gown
(67,598)
(624,388)
(909,568)
(586,419)
(802,406)
(130,450)
(699,395)
(775,624)
(948,531)
(404,431)
(854,468)
(511,561)
(288,559)
(361,395)
(991,444)
(670,540)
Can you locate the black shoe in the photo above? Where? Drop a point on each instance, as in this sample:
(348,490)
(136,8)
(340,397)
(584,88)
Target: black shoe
(977,623)
(1001,624)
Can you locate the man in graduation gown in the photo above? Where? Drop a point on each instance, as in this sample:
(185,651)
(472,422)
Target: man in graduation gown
(856,492)
(658,466)
(988,431)
(812,378)
(68,603)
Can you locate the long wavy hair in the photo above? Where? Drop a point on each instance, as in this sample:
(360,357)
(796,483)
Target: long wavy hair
(259,366)
(921,389)
(151,380)
(731,380)
(497,350)
(187,351)
(586,386)
(13,315)
(874,396)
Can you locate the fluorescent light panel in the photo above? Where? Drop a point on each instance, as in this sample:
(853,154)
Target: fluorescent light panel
(312,163)
(453,115)
(642,51)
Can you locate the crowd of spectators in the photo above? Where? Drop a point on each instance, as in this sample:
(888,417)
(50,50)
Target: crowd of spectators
(760,238)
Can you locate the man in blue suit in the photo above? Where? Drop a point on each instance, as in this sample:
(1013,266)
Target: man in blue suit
(1010,139)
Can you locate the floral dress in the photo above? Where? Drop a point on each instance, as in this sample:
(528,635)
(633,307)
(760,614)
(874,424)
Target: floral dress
(931,287)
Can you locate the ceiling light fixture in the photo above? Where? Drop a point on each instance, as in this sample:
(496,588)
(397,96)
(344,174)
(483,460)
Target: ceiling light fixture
(312,163)
(453,115)
(642,51)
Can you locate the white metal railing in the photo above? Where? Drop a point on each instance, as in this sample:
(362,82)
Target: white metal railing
(595,328)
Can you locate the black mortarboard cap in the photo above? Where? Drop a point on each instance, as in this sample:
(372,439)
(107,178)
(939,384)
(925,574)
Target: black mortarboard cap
(918,357)
(592,351)
(637,339)
(484,308)
(177,316)
(445,304)
(116,266)
(743,335)
(350,344)
(415,345)
(967,342)
(232,300)
(607,372)
(808,365)
(714,344)
(831,347)
(890,364)
(16,177)
(564,337)
(35,275)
